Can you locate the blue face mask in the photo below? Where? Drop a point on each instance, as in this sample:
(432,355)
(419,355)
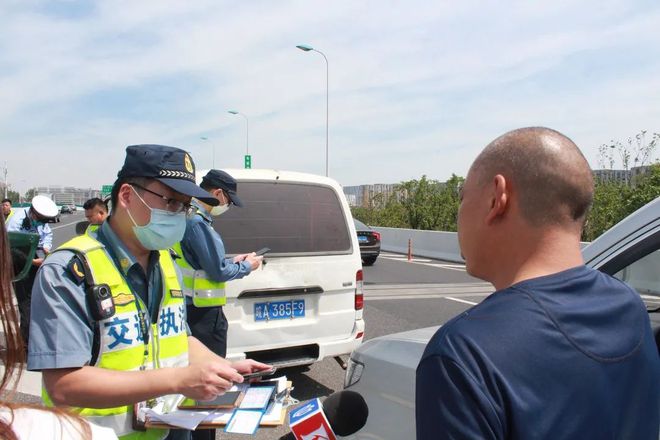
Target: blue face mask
(163,230)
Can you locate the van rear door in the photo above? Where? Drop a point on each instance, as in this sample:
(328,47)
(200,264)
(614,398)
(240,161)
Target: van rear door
(305,293)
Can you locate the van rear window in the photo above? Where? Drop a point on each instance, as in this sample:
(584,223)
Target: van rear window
(287,218)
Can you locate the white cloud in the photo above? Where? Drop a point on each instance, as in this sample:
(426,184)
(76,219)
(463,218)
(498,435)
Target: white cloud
(415,88)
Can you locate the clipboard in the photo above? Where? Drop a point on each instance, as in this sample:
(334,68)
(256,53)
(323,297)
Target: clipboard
(221,423)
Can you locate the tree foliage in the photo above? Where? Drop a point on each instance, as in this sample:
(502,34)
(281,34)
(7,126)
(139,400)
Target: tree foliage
(29,194)
(636,152)
(614,201)
(416,204)
(13,196)
(433,205)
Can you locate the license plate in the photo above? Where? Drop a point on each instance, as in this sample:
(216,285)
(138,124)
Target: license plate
(362,239)
(279,310)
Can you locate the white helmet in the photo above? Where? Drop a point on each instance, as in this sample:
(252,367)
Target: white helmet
(44,206)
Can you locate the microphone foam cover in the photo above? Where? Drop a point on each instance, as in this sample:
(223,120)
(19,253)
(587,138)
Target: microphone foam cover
(346,411)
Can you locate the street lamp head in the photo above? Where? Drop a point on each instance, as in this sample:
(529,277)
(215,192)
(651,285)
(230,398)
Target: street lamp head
(233,112)
(305,47)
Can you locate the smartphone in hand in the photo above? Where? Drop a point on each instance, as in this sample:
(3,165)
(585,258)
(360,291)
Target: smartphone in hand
(262,251)
(261,373)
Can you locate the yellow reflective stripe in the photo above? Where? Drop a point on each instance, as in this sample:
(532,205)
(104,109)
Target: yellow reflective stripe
(177,360)
(169,348)
(123,360)
(196,283)
(209,302)
(81,243)
(202,282)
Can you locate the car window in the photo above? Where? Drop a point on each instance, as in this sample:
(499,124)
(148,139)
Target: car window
(287,218)
(360,226)
(643,274)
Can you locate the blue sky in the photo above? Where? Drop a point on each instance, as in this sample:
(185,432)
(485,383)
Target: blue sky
(416,87)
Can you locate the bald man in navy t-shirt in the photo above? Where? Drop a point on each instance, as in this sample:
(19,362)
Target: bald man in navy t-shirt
(559,351)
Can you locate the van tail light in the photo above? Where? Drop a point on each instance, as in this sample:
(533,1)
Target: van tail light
(376,235)
(359,290)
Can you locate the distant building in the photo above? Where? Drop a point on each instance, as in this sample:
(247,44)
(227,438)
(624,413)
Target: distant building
(623,176)
(612,175)
(68,195)
(361,195)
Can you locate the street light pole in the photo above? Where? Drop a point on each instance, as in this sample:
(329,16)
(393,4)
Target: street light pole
(307,48)
(5,179)
(204,138)
(247,130)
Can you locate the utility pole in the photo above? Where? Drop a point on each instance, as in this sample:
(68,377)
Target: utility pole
(5,179)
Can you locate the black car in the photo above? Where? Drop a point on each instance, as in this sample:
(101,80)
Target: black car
(369,243)
(66,209)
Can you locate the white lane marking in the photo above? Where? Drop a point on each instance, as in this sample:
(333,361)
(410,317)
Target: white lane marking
(461,300)
(414,260)
(425,262)
(63,226)
(413,296)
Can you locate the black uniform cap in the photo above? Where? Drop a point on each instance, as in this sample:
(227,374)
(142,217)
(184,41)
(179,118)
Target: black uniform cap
(171,166)
(222,180)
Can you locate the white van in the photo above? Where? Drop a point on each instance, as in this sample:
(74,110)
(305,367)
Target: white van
(305,303)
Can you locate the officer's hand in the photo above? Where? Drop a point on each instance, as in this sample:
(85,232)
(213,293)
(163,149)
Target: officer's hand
(207,380)
(254,260)
(239,258)
(37,262)
(246,366)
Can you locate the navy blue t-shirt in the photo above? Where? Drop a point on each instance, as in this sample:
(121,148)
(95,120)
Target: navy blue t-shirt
(564,356)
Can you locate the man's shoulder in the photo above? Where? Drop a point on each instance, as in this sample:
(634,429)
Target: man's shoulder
(476,326)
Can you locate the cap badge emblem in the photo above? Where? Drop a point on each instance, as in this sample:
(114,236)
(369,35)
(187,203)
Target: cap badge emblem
(188,163)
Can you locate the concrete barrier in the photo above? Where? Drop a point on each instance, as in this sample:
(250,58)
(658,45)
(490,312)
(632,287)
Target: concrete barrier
(431,244)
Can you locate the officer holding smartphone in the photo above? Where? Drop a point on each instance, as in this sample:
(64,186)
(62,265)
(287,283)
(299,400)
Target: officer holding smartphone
(205,268)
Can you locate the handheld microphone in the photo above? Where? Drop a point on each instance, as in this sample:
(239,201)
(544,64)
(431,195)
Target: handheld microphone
(345,412)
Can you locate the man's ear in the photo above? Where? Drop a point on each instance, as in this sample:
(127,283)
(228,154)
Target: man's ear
(124,195)
(499,202)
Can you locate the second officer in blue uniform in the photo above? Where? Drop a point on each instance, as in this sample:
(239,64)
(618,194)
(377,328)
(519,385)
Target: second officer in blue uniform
(205,267)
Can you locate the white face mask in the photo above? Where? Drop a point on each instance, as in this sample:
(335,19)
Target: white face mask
(218,210)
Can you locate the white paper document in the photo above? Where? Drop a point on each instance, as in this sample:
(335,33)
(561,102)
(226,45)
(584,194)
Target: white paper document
(187,419)
(244,421)
(257,397)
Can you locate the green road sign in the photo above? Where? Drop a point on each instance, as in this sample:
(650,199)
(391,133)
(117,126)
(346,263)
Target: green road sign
(248,161)
(106,190)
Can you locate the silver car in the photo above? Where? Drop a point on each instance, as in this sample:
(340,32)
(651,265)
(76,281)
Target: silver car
(629,251)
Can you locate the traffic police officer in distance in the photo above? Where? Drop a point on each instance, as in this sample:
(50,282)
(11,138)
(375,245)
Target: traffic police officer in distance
(205,268)
(103,356)
(6,209)
(32,220)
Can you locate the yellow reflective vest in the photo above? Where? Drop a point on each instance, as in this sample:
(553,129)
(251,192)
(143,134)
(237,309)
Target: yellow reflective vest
(9,216)
(122,344)
(196,284)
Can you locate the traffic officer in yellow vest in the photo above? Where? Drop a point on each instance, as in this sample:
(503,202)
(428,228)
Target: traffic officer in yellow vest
(108,313)
(205,268)
(6,209)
